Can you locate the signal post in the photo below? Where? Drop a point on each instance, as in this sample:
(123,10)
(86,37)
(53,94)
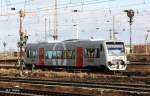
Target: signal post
(23,38)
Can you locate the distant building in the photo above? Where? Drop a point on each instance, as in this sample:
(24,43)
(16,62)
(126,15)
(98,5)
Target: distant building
(141,49)
(138,49)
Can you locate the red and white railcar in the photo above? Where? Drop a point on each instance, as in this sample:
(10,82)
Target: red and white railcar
(78,54)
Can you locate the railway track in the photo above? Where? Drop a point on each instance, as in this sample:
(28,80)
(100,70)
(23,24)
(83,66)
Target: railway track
(130,73)
(8,66)
(123,73)
(27,92)
(131,88)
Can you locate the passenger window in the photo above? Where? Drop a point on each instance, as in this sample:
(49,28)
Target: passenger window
(34,53)
(97,53)
(28,53)
(54,56)
(92,53)
(59,54)
(64,54)
(68,54)
(73,54)
(31,53)
(48,54)
(101,47)
(25,50)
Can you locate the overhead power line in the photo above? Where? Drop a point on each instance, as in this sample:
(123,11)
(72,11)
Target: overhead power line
(62,6)
(47,9)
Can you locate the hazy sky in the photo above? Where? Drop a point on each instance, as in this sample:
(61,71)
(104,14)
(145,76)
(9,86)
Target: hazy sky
(95,18)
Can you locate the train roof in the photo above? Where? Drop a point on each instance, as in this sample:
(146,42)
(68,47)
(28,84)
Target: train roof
(72,41)
(83,40)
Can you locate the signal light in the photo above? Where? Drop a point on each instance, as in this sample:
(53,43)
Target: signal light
(13,8)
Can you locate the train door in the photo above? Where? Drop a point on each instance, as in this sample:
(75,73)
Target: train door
(41,56)
(79,57)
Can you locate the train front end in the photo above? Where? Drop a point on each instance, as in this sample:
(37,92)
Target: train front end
(116,57)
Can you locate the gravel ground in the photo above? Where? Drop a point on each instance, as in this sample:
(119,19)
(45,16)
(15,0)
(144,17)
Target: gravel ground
(83,91)
(74,76)
(138,68)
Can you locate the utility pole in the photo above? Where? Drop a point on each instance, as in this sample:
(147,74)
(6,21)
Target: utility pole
(110,34)
(45,29)
(49,27)
(113,28)
(1,7)
(146,37)
(77,31)
(55,34)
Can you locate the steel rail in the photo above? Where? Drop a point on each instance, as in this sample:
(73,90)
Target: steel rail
(136,88)
(26,92)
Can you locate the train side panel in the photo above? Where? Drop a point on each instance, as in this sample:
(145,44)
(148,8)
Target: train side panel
(78,54)
(79,57)
(59,54)
(41,57)
(31,56)
(92,54)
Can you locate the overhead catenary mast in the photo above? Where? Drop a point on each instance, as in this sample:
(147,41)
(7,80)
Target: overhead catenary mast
(1,6)
(113,36)
(55,34)
(45,29)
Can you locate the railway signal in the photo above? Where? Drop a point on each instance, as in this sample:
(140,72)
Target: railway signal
(130,14)
(76,25)
(23,38)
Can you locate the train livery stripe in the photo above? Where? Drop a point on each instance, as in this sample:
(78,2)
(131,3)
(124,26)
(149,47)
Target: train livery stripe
(41,56)
(79,57)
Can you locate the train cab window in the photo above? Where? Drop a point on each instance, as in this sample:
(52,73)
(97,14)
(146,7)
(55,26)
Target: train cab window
(48,54)
(92,53)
